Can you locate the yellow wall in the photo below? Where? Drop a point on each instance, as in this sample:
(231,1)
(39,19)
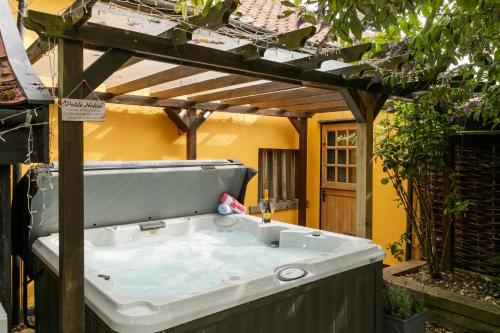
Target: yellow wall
(140,133)
(136,133)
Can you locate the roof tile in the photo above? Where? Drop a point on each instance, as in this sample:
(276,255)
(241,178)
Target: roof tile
(264,13)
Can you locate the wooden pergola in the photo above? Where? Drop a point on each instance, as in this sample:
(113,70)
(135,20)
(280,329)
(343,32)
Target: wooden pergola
(192,68)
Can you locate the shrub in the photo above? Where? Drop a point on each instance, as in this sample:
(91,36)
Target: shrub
(400,303)
(413,144)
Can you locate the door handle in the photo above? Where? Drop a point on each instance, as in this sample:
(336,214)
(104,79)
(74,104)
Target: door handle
(323,195)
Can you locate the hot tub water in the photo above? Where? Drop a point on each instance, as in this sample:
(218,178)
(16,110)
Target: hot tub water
(175,266)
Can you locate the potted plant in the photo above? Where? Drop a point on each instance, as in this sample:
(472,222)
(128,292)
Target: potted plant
(403,311)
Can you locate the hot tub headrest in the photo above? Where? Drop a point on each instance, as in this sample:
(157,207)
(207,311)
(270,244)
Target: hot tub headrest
(129,192)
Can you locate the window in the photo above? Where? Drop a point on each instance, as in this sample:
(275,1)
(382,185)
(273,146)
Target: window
(277,173)
(339,156)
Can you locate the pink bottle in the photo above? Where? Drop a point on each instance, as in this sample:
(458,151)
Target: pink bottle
(233,203)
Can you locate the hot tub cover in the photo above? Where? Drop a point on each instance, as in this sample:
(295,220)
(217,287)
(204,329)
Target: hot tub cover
(118,193)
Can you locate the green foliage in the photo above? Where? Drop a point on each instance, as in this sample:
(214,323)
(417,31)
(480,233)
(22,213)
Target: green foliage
(396,247)
(413,144)
(457,39)
(400,303)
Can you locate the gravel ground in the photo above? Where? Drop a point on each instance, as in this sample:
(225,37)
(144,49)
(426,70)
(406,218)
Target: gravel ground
(472,285)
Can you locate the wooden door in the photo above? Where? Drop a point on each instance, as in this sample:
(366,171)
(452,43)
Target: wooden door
(338,178)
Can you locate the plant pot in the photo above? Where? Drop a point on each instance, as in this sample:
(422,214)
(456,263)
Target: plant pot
(414,324)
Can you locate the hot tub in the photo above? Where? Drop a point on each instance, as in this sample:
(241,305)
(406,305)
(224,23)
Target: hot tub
(213,273)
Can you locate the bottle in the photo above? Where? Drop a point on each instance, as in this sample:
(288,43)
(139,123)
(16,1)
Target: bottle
(266,208)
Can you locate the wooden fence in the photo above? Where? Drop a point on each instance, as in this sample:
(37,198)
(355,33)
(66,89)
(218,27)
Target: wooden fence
(477,231)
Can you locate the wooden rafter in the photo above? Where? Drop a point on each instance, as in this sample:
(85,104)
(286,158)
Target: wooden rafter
(284,40)
(99,37)
(334,96)
(291,40)
(78,13)
(350,53)
(316,106)
(114,59)
(243,91)
(104,66)
(277,96)
(346,54)
(179,103)
(326,110)
(170,74)
(216,17)
(204,85)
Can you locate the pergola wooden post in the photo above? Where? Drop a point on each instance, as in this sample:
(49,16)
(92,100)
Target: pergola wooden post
(300,125)
(188,122)
(365,107)
(71,222)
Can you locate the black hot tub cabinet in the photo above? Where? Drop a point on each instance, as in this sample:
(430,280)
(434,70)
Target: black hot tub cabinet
(334,284)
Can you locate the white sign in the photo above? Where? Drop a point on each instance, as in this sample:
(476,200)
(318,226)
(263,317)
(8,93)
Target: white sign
(82,110)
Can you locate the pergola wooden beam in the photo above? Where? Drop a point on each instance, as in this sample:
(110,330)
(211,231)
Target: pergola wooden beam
(104,67)
(291,40)
(284,40)
(243,91)
(326,110)
(188,122)
(109,63)
(300,125)
(282,104)
(346,54)
(171,74)
(316,106)
(365,107)
(204,85)
(357,107)
(350,54)
(179,103)
(277,96)
(78,13)
(214,18)
(101,37)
